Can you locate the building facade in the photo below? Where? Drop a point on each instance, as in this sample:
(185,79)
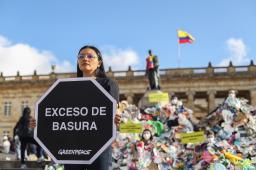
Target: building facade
(201,89)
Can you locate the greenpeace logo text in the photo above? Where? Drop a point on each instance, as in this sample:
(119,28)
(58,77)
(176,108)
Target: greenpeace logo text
(74,152)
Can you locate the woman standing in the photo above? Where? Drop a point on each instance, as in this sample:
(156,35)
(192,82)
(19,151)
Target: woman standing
(90,64)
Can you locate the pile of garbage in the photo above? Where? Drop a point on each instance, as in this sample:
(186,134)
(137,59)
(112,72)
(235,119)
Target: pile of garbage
(171,138)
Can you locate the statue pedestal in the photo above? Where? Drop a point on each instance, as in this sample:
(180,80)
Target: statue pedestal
(153,97)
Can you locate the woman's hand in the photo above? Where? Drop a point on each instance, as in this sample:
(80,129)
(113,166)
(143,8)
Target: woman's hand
(32,123)
(118,118)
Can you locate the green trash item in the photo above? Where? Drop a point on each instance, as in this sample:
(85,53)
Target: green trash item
(158,126)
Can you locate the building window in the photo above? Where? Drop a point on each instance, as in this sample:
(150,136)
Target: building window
(23,105)
(7,108)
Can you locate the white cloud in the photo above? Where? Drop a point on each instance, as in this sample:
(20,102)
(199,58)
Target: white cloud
(4,41)
(238,53)
(120,59)
(25,59)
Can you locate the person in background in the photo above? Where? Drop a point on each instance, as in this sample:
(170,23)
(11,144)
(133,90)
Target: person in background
(16,142)
(25,134)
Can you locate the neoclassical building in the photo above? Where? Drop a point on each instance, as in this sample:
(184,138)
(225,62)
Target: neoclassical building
(200,89)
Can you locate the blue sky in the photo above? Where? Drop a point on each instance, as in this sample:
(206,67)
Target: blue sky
(37,34)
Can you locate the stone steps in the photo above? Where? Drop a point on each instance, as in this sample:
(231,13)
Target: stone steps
(9,165)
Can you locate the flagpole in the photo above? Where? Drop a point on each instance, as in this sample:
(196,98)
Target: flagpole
(179,55)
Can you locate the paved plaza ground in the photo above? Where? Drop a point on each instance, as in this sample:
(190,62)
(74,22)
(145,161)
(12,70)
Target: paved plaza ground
(9,162)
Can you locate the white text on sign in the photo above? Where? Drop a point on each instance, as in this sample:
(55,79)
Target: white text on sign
(75,111)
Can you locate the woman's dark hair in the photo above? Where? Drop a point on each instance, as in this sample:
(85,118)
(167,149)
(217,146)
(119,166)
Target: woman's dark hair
(100,72)
(26,111)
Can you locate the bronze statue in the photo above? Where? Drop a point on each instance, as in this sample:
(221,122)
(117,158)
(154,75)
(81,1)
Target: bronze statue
(152,71)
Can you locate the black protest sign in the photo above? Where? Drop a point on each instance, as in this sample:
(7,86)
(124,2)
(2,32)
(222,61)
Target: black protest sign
(75,120)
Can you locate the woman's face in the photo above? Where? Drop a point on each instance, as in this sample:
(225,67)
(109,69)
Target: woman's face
(88,62)
(146,135)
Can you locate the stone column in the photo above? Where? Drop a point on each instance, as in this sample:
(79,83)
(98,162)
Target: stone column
(18,77)
(231,69)
(211,100)
(252,68)
(129,72)
(35,76)
(210,69)
(110,72)
(53,75)
(190,95)
(253,97)
(129,97)
(1,76)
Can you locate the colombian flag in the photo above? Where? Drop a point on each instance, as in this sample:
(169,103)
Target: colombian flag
(185,37)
